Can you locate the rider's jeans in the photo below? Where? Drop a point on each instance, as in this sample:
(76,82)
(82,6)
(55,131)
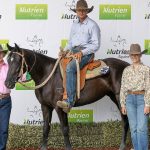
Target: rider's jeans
(71,77)
(138,121)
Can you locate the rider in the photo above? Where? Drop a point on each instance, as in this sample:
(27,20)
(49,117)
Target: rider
(83,42)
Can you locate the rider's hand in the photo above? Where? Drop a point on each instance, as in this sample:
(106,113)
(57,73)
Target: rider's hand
(146,110)
(61,53)
(123,110)
(78,56)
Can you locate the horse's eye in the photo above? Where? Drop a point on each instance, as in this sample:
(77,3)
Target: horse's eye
(11,59)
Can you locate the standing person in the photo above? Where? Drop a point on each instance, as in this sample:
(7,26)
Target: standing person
(84,41)
(135,98)
(5,102)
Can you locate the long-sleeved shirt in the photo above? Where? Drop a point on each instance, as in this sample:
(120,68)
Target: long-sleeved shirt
(85,34)
(135,80)
(3,75)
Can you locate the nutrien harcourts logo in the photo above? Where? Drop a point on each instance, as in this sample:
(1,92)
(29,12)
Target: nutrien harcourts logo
(83,116)
(31,11)
(147,46)
(115,12)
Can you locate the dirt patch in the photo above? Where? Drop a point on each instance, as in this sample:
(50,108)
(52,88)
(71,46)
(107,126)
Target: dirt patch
(111,148)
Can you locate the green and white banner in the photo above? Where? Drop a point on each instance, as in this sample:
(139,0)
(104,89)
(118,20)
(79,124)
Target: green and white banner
(43,26)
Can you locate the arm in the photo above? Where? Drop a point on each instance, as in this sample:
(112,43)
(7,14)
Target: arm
(69,44)
(123,90)
(147,92)
(94,43)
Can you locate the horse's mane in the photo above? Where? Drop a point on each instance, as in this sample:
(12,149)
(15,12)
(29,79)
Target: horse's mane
(39,55)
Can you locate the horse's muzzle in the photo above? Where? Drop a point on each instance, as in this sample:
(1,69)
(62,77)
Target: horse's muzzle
(10,84)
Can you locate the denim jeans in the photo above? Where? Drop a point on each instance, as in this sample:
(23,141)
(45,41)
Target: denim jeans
(5,110)
(71,76)
(138,121)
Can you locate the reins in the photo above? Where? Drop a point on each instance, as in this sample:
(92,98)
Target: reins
(50,75)
(46,80)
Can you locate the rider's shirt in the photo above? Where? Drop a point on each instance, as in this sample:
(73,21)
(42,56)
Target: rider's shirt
(85,34)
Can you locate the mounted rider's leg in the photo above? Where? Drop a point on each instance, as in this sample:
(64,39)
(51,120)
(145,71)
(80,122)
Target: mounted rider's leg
(71,82)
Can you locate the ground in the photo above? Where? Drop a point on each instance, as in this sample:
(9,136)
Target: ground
(75,149)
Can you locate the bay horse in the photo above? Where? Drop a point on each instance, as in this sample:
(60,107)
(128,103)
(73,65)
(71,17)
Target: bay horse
(40,67)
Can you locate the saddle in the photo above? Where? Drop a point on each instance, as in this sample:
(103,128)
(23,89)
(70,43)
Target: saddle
(89,71)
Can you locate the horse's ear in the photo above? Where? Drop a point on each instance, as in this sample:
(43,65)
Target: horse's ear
(17,47)
(145,51)
(9,47)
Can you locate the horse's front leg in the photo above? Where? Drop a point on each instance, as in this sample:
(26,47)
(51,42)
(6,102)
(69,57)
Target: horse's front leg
(65,127)
(47,117)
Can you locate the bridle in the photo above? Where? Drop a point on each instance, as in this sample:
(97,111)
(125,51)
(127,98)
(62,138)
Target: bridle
(21,71)
(23,62)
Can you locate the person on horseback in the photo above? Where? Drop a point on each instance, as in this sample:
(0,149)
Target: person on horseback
(84,41)
(135,98)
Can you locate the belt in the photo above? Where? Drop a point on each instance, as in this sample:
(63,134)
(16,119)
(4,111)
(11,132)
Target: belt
(136,92)
(2,96)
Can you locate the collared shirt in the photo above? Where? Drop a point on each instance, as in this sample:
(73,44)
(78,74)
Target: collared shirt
(135,80)
(3,75)
(85,34)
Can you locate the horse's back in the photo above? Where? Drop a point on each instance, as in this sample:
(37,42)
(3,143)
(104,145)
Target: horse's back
(116,69)
(114,62)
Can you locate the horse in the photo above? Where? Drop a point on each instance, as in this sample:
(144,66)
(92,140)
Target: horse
(40,67)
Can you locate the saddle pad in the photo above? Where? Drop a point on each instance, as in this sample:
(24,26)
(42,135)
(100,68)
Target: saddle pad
(97,71)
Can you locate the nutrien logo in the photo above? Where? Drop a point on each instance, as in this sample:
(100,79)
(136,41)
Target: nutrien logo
(115,12)
(36,44)
(118,47)
(31,11)
(64,43)
(34,116)
(147,46)
(4,43)
(68,5)
(80,116)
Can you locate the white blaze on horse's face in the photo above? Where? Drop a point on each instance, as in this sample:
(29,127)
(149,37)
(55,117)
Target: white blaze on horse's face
(11,59)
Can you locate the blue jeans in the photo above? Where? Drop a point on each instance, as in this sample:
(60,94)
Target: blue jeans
(71,76)
(5,110)
(138,121)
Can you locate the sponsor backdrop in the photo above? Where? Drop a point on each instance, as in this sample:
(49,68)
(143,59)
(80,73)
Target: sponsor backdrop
(43,26)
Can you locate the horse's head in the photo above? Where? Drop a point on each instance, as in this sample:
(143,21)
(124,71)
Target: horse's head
(16,65)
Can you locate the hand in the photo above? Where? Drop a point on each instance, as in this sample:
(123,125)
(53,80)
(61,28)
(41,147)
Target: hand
(61,54)
(78,56)
(146,110)
(123,110)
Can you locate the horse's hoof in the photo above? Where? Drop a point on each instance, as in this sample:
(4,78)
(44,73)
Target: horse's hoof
(43,148)
(122,147)
(69,148)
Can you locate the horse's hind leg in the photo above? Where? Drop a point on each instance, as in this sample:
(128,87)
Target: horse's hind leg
(65,127)
(125,131)
(125,125)
(115,99)
(47,116)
